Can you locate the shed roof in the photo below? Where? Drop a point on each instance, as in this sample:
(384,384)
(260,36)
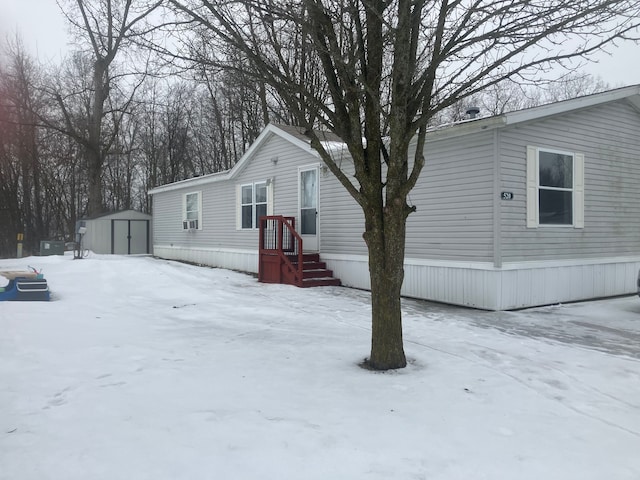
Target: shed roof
(118,213)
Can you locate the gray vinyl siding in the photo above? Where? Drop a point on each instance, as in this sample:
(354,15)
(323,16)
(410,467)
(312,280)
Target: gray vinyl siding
(216,222)
(454,201)
(609,138)
(341,218)
(284,173)
(167,211)
(219,212)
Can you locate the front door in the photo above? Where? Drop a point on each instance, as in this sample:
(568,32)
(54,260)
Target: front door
(308,188)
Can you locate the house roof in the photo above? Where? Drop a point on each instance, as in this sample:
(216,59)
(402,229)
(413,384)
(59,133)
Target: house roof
(630,94)
(302,135)
(298,137)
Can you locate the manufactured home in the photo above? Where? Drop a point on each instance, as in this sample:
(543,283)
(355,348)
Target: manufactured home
(527,208)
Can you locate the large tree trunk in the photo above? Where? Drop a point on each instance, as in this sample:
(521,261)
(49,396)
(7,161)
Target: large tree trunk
(386,274)
(95,160)
(385,237)
(94,164)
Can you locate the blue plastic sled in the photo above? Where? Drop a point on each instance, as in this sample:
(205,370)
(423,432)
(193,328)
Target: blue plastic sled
(24,286)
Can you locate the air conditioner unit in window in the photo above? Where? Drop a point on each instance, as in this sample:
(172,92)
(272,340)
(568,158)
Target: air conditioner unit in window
(190,225)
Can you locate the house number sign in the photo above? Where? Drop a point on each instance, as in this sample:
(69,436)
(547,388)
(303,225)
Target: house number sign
(506,195)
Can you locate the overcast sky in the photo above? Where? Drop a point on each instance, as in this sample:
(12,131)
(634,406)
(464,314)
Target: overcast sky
(44,33)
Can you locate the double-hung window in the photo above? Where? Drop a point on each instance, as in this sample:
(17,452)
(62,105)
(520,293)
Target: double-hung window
(192,211)
(555,188)
(247,206)
(253,204)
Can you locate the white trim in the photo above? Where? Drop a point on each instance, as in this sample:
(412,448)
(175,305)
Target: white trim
(539,187)
(578,190)
(191,182)
(238,207)
(307,168)
(556,108)
(239,204)
(209,249)
(489,265)
(255,201)
(533,187)
(270,196)
(568,262)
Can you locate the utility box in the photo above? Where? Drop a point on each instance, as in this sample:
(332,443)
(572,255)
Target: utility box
(51,247)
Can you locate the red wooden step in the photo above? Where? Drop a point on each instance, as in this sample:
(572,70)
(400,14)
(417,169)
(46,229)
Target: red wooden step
(317,273)
(306,257)
(314,265)
(321,282)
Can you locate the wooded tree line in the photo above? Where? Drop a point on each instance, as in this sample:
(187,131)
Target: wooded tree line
(168,129)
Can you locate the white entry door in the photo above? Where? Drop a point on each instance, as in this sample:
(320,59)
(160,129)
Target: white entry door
(308,199)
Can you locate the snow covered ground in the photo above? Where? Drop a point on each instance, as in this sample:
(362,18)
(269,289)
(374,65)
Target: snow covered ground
(146,369)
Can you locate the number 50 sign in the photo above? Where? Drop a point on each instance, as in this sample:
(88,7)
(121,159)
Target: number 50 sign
(506,195)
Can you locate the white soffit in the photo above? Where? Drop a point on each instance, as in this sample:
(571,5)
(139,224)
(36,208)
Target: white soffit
(632,93)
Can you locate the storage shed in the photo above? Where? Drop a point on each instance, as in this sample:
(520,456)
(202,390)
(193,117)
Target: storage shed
(122,233)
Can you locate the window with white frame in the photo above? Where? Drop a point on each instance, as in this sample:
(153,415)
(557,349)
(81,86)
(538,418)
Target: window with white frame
(253,203)
(192,211)
(247,206)
(555,188)
(260,201)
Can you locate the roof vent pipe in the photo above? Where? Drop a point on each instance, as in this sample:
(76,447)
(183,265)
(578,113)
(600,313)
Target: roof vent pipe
(472,112)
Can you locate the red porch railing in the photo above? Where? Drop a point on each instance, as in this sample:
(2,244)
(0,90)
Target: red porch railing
(280,255)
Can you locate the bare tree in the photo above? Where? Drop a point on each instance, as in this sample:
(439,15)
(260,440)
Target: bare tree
(509,95)
(387,67)
(39,182)
(110,27)
(21,169)
(571,86)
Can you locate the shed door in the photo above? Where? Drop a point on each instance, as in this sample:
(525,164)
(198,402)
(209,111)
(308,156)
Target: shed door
(138,231)
(120,237)
(129,237)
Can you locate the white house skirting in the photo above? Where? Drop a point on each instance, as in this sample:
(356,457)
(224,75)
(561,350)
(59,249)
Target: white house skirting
(242,260)
(517,285)
(472,284)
